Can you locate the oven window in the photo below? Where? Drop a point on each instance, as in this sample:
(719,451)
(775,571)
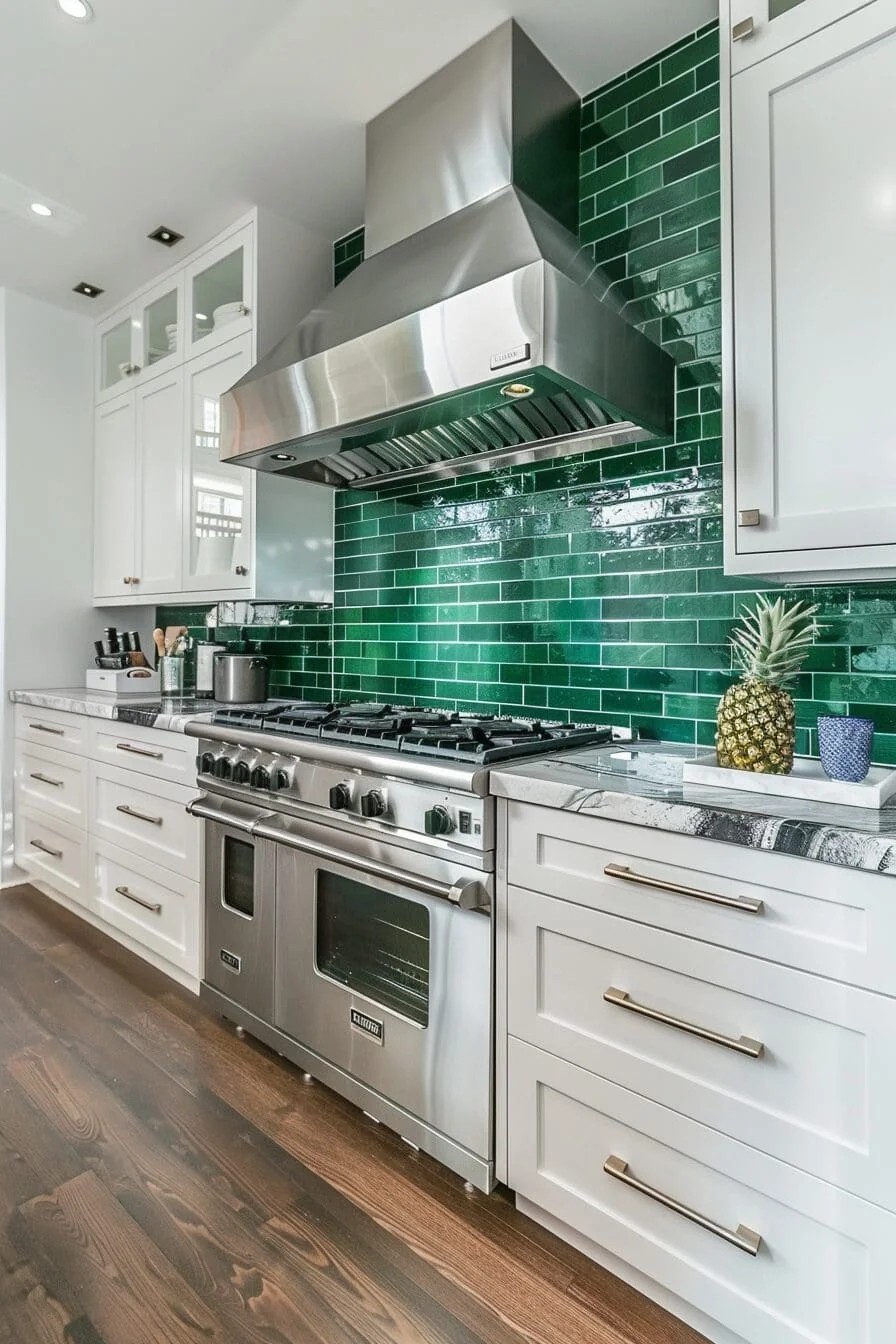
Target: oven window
(374,943)
(239,876)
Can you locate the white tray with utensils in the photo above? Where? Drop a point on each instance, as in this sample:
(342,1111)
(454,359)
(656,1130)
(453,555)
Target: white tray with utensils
(806,780)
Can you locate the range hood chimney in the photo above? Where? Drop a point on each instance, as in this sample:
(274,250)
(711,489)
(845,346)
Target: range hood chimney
(476,333)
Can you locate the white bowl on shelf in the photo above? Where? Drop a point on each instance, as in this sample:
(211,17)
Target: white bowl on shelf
(226,313)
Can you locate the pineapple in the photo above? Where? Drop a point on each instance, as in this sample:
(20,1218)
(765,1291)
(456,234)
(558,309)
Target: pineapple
(756,716)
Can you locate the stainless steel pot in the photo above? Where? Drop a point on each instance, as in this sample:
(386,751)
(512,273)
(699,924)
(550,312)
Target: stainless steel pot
(241,678)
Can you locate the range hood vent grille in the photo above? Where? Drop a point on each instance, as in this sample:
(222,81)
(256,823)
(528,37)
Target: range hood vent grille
(533,430)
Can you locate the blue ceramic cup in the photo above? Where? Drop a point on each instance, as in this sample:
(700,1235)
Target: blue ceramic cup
(844,745)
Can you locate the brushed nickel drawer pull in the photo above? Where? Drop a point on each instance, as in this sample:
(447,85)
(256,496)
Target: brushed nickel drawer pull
(743,29)
(743,903)
(154,906)
(45,849)
(45,728)
(743,1238)
(140,751)
(45,779)
(744,1045)
(141,816)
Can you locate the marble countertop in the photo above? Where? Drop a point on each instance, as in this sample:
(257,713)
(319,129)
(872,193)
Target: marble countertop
(149,711)
(642,784)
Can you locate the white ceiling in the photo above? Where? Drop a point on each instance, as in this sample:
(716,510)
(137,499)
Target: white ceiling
(186,112)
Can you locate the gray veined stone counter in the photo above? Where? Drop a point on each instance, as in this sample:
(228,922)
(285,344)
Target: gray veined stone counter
(642,784)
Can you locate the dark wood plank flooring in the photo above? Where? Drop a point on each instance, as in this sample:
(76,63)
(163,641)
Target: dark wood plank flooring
(163,1181)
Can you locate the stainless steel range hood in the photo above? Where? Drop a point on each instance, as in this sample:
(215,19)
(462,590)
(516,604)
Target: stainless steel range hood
(476,333)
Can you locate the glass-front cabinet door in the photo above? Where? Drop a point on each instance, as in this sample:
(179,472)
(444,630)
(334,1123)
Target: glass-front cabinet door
(219,293)
(159,326)
(761,27)
(219,498)
(117,361)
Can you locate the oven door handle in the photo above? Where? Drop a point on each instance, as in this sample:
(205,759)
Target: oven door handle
(467,894)
(201,807)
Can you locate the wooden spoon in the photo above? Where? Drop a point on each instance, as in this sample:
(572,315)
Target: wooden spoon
(158,637)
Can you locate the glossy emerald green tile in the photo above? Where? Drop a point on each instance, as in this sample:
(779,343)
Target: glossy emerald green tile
(690,56)
(662,679)
(691,161)
(704,102)
(663,149)
(625,142)
(662,98)
(634,655)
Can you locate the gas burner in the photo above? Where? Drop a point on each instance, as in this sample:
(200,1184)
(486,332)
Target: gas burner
(303,717)
(485,739)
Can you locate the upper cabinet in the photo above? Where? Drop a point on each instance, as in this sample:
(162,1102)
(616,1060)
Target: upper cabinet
(171,520)
(759,28)
(220,297)
(142,340)
(809,414)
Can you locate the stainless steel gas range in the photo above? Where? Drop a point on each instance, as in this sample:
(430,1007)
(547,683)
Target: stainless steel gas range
(349,881)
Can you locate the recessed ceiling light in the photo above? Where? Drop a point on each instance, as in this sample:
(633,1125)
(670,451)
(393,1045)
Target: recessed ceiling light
(89,291)
(76,9)
(167,237)
(43,210)
(282,457)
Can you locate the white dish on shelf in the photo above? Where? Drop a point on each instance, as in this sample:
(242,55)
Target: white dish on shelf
(807,781)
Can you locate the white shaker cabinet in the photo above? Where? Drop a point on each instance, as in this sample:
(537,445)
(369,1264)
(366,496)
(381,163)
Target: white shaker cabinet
(171,521)
(810,414)
(115,471)
(137,490)
(759,28)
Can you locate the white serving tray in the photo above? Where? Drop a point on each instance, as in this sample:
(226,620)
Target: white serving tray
(807,780)
(123,681)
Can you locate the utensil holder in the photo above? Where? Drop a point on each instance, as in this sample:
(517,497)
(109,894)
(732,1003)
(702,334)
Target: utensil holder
(171,675)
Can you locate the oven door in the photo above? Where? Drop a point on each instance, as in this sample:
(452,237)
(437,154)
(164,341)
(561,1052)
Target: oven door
(381,971)
(239,889)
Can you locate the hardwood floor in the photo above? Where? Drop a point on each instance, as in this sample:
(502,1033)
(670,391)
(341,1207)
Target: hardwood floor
(163,1181)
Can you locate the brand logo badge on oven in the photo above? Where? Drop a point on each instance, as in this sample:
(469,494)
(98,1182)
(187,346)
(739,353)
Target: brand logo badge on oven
(230,961)
(369,1025)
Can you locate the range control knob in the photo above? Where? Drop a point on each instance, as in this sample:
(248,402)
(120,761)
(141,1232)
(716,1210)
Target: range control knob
(221,768)
(341,797)
(437,821)
(280,780)
(260,778)
(241,773)
(373,804)
(205,763)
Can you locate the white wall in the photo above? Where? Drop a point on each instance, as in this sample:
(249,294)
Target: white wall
(46,512)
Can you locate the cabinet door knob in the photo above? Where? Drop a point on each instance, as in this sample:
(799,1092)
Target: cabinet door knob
(241,570)
(749,518)
(135,580)
(125,580)
(244,311)
(743,29)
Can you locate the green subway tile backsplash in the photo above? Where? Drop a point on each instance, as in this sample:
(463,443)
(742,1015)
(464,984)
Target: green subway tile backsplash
(590,588)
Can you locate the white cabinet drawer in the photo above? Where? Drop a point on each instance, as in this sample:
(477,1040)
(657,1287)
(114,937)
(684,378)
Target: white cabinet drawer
(798,1066)
(145,816)
(53,781)
(53,852)
(816,917)
(823,1271)
(149,751)
(52,728)
(158,909)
